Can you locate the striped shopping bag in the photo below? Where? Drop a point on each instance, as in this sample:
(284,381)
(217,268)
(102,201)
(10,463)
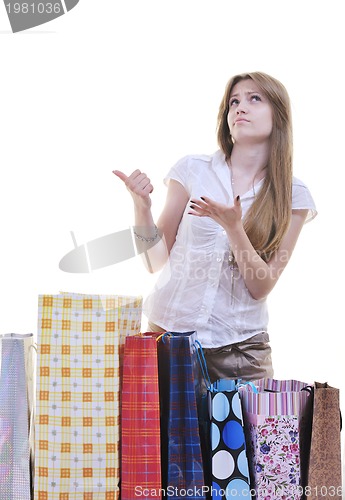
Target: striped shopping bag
(15,411)
(274,417)
(80,347)
(180,382)
(140,420)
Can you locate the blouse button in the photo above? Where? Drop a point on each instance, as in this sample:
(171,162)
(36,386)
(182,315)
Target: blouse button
(219,259)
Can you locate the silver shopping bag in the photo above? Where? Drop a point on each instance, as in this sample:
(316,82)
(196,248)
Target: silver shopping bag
(15,481)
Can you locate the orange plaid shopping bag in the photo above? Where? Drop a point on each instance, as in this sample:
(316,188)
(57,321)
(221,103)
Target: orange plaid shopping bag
(80,347)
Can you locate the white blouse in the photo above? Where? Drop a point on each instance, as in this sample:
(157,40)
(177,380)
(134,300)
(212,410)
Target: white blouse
(195,290)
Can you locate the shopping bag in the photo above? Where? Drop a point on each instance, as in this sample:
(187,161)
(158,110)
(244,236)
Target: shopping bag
(230,472)
(179,372)
(140,420)
(225,458)
(273,418)
(15,411)
(80,346)
(324,468)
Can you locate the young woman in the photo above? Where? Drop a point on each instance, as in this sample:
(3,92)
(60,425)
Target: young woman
(230,223)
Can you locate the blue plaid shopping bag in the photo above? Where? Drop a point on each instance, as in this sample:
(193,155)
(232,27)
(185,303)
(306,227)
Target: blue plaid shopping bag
(182,464)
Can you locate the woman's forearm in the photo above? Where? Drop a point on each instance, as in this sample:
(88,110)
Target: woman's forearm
(154,242)
(258,276)
(143,221)
(149,240)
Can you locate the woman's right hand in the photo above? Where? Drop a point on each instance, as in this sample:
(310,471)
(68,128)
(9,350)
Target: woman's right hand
(139,185)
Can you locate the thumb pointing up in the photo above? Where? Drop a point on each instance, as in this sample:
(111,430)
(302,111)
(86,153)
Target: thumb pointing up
(120,175)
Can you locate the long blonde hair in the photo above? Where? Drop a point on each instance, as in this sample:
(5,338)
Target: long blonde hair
(268,218)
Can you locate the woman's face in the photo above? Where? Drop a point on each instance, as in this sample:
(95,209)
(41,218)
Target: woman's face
(250,116)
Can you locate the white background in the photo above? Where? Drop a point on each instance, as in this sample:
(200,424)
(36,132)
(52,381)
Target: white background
(137,84)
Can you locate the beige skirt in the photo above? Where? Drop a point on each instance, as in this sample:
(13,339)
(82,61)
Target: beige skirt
(247,360)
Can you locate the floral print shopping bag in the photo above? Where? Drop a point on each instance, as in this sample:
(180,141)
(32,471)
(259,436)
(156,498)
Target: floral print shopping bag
(274,421)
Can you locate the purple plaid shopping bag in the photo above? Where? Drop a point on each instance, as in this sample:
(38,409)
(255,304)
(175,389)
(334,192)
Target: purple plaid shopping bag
(182,465)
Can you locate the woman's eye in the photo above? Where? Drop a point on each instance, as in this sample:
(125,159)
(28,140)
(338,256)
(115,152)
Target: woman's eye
(256,97)
(233,101)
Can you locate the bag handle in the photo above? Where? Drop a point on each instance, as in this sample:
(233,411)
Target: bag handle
(202,362)
(311,389)
(244,383)
(164,336)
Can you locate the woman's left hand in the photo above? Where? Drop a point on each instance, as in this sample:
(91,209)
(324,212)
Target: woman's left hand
(227,217)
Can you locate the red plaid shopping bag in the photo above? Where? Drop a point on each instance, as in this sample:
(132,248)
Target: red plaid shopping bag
(140,429)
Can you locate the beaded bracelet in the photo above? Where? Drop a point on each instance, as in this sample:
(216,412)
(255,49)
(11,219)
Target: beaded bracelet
(147,240)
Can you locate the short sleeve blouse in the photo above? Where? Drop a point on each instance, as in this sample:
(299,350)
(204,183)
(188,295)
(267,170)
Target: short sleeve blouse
(198,289)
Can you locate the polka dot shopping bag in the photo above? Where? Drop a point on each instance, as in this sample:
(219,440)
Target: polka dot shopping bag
(230,472)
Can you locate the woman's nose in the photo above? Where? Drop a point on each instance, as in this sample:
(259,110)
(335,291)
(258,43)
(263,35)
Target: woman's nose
(241,108)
